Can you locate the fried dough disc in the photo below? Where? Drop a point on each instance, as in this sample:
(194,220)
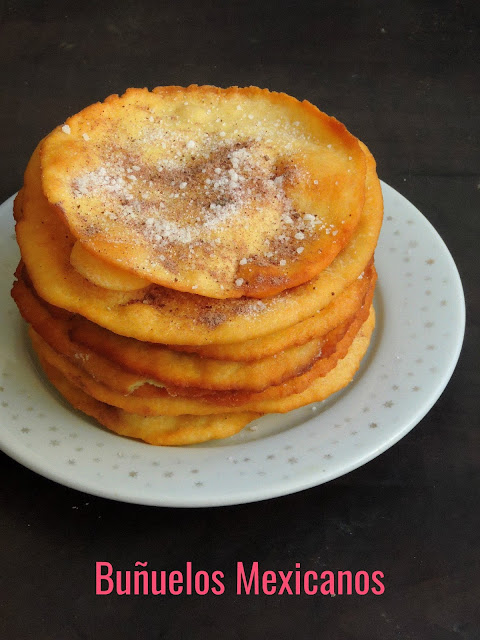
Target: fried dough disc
(181,369)
(226,192)
(150,400)
(144,363)
(172,317)
(120,381)
(158,430)
(346,304)
(173,369)
(141,363)
(318,390)
(102,273)
(338,378)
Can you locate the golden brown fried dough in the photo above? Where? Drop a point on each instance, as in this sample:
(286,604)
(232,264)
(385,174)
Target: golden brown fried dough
(140,363)
(225,192)
(172,317)
(158,430)
(344,305)
(150,400)
(102,273)
(193,258)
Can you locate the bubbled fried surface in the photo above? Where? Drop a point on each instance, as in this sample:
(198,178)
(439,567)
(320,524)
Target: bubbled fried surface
(103,274)
(346,304)
(162,315)
(124,364)
(194,258)
(157,430)
(225,192)
(150,400)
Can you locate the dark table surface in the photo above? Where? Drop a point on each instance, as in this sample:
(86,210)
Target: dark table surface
(404,77)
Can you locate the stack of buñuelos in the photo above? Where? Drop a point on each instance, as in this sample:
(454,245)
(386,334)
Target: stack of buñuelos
(194,258)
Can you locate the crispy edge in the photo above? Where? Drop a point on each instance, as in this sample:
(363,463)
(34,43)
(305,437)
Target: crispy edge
(162,403)
(259,282)
(192,376)
(342,306)
(158,430)
(139,320)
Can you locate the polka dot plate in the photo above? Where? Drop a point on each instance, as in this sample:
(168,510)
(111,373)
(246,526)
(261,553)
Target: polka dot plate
(420,325)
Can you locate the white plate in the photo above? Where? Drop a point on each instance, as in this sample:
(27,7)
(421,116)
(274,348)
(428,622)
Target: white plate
(420,325)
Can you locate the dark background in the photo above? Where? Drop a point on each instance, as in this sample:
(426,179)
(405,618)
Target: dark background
(404,77)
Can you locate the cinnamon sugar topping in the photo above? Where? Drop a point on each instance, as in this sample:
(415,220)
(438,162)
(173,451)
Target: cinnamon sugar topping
(207,192)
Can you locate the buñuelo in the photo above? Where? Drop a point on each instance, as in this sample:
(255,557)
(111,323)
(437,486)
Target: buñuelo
(193,258)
